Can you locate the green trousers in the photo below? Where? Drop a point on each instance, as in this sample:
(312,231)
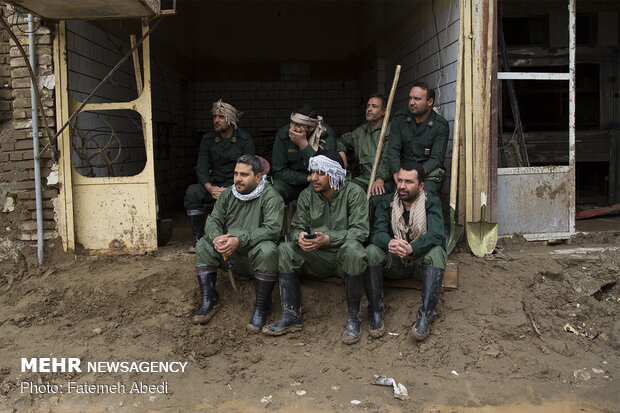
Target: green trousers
(261,258)
(287,191)
(394,268)
(325,262)
(434,181)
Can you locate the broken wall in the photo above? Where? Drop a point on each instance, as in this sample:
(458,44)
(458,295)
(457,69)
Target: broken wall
(17,196)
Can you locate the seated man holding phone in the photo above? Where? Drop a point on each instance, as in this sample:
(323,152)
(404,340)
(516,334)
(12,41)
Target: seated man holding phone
(328,229)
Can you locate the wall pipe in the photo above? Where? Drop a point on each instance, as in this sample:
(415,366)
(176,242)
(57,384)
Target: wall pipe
(35,139)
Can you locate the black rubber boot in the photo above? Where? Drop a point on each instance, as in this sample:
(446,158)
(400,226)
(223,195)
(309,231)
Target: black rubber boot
(431,289)
(198,226)
(262,305)
(374,293)
(354,284)
(290,295)
(210,297)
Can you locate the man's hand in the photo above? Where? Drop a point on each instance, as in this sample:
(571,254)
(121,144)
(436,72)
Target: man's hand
(344,159)
(226,244)
(400,247)
(298,138)
(377,187)
(314,244)
(215,191)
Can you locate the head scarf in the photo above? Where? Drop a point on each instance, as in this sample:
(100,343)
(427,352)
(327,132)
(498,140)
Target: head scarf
(314,140)
(252,195)
(230,113)
(329,167)
(416,227)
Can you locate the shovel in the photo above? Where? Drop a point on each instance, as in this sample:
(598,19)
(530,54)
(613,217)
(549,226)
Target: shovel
(481,236)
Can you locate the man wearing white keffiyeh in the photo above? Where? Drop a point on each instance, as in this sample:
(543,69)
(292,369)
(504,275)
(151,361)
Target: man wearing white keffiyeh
(244,227)
(328,229)
(294,145)
(407,240)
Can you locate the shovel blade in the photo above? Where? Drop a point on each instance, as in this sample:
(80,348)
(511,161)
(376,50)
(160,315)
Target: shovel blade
(481,236)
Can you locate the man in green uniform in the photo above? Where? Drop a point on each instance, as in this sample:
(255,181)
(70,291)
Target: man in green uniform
(244,227)
(407,240)
(420,135)
(329,227)
(294,145)
(363,141)
(219,150)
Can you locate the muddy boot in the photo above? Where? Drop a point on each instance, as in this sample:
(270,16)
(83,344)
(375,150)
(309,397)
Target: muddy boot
(210,297)
(354,284)
(263,285)
(290,295)
(373,279)
(197,221)
(431,289)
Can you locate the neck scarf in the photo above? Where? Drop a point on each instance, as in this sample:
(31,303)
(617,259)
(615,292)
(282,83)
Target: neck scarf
(329,167)
(314,140)
(416,227)
(252,195)
(230,113)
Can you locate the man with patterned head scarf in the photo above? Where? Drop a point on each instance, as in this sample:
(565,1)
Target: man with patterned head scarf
(219,150)
(244,227)
(328,229)
(407,240)
(293,147)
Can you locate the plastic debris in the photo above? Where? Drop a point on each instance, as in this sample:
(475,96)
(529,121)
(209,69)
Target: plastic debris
(454,372)
(356,402)
(335,388)
(597,371)
(400,391)
(266,399)
(393,334)
(568,327)
(300,392)
(582,374)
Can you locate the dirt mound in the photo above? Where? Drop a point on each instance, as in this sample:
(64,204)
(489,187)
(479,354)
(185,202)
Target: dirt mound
(500,338)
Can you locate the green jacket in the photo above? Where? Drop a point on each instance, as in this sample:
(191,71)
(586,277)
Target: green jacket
(343,218)
(364,143)
(425,143)
(251,221)
(291,164)
(382,232)
(217,157)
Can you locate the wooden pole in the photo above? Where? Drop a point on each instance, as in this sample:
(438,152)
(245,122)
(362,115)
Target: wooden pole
(386,120)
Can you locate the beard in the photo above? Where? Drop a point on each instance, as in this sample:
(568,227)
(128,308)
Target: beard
(406,196)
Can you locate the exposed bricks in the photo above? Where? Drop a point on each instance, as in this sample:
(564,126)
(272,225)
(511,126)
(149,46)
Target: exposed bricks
(16,156)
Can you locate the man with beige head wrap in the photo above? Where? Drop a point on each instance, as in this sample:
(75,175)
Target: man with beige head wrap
(407,240)
(217,157)
(294,145)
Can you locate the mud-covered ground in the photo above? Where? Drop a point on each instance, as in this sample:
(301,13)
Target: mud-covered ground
(500,339)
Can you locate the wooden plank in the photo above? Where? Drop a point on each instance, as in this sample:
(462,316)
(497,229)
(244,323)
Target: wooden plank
(90,9)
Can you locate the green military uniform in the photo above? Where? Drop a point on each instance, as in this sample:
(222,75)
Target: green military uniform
(425,144)
(216,165)
(256,223)
(290,164)
(344,219)
(364,143)
(428,250)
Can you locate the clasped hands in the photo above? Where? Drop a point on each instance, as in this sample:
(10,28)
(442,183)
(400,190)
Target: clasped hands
(400,247)
(226,244)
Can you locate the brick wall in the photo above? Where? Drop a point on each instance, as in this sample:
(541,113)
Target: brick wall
(6,97)
(267,105)
(421,59)
(16,156)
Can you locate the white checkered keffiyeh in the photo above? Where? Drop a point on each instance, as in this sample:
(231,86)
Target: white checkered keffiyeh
(331,168)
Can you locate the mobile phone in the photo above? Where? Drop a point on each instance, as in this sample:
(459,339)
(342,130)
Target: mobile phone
(310,236)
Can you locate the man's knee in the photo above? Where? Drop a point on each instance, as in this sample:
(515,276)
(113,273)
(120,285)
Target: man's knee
(206,255)
(375,255)
(352,257)
(435,257)
(264,257)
